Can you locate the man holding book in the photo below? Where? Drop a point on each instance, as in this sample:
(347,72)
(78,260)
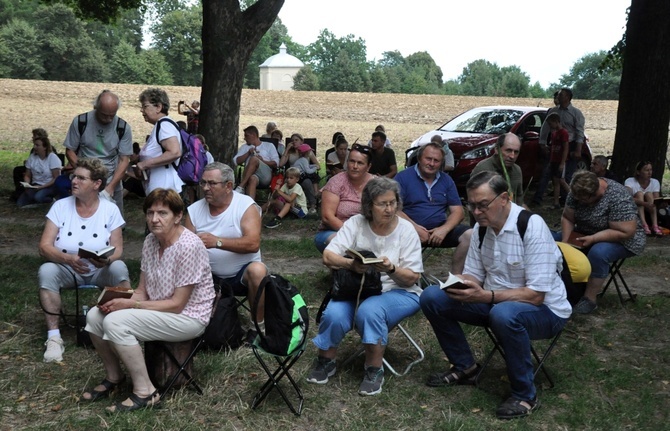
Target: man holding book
(512,285)
(431,203)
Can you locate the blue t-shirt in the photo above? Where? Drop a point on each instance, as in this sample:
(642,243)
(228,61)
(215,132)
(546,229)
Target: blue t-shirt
(425,204)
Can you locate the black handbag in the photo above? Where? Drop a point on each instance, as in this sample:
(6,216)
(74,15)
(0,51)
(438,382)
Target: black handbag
(350,286)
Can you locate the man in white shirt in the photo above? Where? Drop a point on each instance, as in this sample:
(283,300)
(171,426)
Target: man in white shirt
(260,159)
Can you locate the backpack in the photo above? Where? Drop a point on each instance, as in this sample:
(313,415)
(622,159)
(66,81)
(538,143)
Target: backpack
(82,122)
(225,329)
(286,318)
(193,155)
(574,290)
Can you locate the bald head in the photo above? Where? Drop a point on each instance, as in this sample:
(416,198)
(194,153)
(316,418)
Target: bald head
(509,146)
(106,105)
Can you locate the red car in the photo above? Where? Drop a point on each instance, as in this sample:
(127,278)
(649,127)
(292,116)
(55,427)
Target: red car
(472,135)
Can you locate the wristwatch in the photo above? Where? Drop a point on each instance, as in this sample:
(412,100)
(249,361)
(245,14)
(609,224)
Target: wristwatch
(219,243)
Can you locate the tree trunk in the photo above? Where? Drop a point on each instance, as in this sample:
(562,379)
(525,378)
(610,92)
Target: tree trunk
(644,93)
(229,37)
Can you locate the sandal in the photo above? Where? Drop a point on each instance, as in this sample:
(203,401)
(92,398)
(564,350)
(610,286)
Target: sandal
(646,229)
(513,408)
(109,388)
(657,230)
(138,403)
(453,377)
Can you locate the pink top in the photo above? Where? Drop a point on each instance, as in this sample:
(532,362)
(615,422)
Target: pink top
(184,263)
(350,199)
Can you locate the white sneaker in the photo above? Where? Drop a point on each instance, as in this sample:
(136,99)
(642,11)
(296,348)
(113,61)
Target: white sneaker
(55,349)
(239,189)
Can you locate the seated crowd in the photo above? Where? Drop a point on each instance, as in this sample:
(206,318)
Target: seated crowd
(511,280)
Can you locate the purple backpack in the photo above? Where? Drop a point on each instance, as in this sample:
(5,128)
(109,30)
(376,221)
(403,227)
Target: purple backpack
(193,155)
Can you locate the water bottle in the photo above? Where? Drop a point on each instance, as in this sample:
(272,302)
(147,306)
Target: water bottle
(84,310)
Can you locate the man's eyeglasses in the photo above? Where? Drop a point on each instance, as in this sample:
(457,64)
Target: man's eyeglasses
(211,184)
(78,177)
(384,205)
(361,148)
(482,207)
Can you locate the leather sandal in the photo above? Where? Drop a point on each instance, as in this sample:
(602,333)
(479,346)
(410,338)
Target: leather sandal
(513,408)
(96,395)
(138,403)
(453,377)
(646,230)
(657,230)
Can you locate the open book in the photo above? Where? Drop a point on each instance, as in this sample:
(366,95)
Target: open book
(659,200)
(96,254)
(109,293)
(365,260)
(28,185)
(335,165)
(453,282)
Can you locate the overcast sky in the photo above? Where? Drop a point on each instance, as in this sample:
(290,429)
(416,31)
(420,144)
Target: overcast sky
(543,38)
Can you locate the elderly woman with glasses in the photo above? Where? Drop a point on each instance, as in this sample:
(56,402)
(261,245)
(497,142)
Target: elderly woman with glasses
(645,189)
(377,229)
(341,196)
(82,220)
(163,147)
(605,215)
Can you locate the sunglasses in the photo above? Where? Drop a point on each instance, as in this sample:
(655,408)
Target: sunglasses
(361,148)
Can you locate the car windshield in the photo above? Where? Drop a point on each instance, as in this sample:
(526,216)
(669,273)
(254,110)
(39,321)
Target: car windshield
(493,121)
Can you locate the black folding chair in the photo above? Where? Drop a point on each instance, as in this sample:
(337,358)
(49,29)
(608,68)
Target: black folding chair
(615,273)
(539,359)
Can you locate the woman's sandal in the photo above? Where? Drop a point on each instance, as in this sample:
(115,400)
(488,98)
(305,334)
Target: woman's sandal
(453,377)
(96,395)
(138,403)
(657,230)
(513,408)
(646,230)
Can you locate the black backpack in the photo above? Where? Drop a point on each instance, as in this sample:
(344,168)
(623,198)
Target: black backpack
(574,290)
(286,318)
(225,329)
(82,122)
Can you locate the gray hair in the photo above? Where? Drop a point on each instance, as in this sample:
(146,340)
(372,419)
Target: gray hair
(227,173)
(494,180)
(431,145)
(156,96)
(96,168)
(374,188)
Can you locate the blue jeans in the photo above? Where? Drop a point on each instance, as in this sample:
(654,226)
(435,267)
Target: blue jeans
(513,323)
(41,196)
(601,255)
(375,316)
(321,238)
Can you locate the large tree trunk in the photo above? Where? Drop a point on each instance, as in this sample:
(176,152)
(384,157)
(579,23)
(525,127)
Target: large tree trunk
(644,94)
(229,37)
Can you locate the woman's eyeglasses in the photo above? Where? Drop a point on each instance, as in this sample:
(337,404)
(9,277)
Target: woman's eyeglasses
(361,148)
(78,177)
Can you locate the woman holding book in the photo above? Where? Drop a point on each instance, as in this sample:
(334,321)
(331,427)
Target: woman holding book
(604,213)
(42,168)
(173,302)
(377,229)
(82,220)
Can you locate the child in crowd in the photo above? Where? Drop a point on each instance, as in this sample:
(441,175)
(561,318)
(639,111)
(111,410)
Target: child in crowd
(560,143)
(308,171)
(288,198)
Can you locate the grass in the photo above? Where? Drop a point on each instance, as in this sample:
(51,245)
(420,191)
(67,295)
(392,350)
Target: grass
(610,368)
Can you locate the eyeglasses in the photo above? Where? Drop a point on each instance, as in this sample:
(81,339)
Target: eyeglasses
(480,206)
(211,184)
(144,107)
(78,177)
(361,148)
(384,205)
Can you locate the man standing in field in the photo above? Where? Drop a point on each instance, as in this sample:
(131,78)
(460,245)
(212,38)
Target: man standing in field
(101,134)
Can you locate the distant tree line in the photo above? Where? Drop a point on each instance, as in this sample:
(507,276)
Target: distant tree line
(47,41)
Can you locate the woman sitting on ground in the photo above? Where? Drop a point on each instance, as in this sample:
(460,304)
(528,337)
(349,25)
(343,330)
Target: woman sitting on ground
(645,189)
(336,161)
(42,168)
(172,302)
(341,196)
(604,213)
(377,229)
(309,184)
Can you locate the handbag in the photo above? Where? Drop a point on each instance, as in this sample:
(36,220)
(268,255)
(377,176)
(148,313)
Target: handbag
(350,286)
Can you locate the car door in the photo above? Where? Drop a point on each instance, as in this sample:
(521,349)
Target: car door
(531,159)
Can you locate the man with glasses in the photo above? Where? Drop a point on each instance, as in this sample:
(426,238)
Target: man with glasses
(431,203)
(229,224)
(507,148)
(512,285)
(102,134)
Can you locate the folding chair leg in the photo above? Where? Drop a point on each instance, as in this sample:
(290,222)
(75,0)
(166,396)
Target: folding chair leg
(615,272)
(190,381)
(487,359)
(284,366)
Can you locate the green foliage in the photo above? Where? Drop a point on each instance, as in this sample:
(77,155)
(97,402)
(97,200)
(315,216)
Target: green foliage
(126,65)
(104,11)
(20,51)
(156,70)
(483,78)
(537,91)
(267,47)
(327,49)
(17,9)
(345,74)
(178,36)
(306,80)
(589,80)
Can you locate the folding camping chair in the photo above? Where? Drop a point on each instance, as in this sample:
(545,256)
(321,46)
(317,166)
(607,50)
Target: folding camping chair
(615,272)
(539,359)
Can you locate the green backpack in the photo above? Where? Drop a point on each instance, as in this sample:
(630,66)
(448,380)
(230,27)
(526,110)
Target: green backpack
(286,318)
